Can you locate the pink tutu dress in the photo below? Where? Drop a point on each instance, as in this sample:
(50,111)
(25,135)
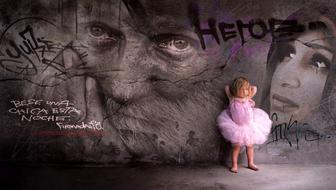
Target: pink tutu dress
(243,124)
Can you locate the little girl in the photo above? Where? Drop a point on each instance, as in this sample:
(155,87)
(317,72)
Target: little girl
(241,123)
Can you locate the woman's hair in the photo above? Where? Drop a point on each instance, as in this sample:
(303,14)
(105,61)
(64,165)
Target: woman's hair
(237,84)
(309,16)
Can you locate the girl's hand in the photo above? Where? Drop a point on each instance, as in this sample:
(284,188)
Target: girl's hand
(253,91)
(252,102)
(227,91)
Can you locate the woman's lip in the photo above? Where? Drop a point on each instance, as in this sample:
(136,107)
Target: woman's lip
(285,101)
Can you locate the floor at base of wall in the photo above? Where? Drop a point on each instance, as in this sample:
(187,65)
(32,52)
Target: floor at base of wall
(270,177)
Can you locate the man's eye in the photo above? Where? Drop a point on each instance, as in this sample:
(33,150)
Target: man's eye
(101,31)
(97,31)
(102,37)
(175,45)
(181,44)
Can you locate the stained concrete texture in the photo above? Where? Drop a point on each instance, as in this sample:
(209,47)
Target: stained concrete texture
(205,177)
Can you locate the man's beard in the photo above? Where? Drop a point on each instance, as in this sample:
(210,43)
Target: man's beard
(154,128)
(157,127)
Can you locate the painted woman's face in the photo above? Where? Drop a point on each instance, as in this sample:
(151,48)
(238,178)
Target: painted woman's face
(299,79)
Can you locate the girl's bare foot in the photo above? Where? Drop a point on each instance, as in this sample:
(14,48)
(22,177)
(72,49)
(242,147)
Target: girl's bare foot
(253,167)
(234,170)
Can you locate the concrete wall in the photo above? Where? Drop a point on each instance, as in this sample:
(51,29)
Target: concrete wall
(118,81)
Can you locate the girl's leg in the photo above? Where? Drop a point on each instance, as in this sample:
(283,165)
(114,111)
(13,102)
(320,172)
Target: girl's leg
(250,158)
(235,154)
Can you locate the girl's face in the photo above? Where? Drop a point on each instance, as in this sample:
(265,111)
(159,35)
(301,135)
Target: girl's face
(244,91)
(299,79)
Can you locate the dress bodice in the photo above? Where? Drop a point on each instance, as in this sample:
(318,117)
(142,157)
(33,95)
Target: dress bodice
(241,111)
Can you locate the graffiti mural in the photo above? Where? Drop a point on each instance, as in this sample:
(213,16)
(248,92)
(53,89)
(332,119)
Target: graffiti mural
(119,81)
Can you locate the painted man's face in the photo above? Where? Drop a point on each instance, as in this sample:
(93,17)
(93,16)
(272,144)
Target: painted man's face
(136,53)
(146,65)
(300,77)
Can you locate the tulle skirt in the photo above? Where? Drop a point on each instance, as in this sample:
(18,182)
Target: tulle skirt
(254,131)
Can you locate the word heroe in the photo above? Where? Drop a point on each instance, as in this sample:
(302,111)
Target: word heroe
(257,28)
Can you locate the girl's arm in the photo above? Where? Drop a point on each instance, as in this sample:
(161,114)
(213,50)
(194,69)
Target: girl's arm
(227,91)
(253,91)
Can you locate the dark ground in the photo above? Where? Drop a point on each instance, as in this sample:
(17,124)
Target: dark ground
(149,177)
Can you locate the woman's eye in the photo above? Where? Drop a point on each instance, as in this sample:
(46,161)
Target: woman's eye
(287,58)
(286,52)
(320,64)
(320,61)
(288,55)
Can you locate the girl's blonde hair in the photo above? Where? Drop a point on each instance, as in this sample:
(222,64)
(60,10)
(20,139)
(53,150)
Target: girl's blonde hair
(237,84)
